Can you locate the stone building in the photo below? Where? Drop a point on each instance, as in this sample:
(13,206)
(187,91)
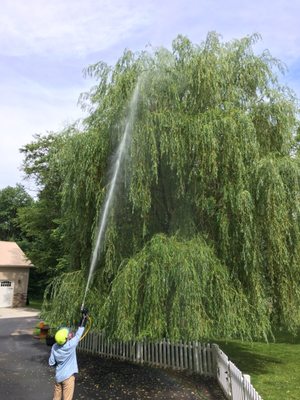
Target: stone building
(14,275)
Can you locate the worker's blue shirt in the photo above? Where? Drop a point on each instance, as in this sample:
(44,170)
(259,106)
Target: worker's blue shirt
(64,357)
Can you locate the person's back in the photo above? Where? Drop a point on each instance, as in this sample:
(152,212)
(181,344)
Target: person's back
(63,357)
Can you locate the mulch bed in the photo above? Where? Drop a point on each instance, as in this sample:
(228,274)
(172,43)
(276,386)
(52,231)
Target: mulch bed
(101,378)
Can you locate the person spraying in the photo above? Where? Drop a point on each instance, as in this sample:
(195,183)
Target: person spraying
(63,357)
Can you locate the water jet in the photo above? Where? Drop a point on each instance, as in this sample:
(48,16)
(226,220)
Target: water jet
(121,151)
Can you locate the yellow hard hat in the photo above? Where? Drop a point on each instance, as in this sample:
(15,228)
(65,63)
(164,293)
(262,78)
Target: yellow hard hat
(61,336)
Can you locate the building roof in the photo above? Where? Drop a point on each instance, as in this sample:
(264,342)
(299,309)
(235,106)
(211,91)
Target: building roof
(12,256)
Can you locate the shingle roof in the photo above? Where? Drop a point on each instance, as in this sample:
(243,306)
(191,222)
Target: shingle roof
(12,256)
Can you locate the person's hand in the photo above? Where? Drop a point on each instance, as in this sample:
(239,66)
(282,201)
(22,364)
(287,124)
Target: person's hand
(84,317)
(84,312)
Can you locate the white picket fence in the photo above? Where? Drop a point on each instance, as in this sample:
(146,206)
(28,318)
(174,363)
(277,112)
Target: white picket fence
(192,356)
(235,385)
(200,358)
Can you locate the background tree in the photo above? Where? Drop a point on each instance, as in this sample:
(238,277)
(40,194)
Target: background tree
(12,199)
(41,220)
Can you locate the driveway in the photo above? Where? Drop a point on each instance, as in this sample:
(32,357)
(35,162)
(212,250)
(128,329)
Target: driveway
(18,313)
(25,375)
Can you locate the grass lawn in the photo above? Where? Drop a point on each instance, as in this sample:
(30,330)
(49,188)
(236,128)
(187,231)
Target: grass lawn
(35,303)
(274,367)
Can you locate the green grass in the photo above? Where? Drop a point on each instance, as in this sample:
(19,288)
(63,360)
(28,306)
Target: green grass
(35,303)
(274,367)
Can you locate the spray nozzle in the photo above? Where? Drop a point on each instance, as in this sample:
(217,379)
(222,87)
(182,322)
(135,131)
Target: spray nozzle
(84,311)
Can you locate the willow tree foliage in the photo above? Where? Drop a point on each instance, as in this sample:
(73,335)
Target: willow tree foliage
(203,237)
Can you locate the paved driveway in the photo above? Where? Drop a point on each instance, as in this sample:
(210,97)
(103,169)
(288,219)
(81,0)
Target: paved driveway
(25,375)
(18,313)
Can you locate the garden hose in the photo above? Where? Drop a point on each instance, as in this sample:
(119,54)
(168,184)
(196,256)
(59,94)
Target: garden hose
(88,328)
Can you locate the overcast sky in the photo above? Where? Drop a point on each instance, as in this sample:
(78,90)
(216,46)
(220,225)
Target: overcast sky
(46,44)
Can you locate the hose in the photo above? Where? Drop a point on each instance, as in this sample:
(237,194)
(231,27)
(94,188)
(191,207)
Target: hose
(87,329)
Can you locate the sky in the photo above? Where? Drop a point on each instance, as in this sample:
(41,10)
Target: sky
(46,44)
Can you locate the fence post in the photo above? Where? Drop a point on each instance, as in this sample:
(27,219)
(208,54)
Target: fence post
(230,382)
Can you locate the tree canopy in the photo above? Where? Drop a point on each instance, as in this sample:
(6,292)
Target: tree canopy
(203,237)
(12,199)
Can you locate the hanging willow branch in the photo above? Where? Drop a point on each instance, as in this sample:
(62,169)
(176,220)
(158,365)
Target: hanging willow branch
(211,161)
(179,289)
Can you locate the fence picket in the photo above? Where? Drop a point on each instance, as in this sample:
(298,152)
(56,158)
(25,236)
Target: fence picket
(164,351)
(176,355)
(204,359)
(145,352)
(134,348)
(172,349)
(168,348)
(160,354)
(185,364)
(148,353)
(196,356)
(209,359)
(181,355)
(201,369)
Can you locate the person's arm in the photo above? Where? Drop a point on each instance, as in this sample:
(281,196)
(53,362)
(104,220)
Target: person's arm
(75,340)
(52,361)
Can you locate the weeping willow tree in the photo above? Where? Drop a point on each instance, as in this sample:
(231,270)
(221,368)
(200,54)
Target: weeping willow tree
(203,237)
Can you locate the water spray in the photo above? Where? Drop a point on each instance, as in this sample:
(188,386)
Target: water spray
(110,194)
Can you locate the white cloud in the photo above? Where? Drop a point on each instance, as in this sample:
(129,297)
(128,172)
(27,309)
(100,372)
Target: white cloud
(60,28)
(75,27)
(68,26)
